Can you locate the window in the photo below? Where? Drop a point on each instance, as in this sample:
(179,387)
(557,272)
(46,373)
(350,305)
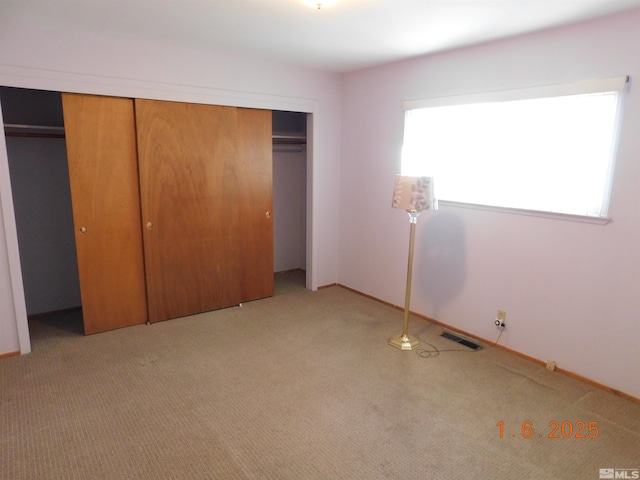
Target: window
(548,149)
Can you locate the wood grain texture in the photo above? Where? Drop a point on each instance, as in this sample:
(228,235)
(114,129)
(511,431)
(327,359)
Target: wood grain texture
(188,180)
(255,199)
(206,181)
(101,150)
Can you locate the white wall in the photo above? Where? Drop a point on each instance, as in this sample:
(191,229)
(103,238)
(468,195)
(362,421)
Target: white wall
(41,56)
(571,290)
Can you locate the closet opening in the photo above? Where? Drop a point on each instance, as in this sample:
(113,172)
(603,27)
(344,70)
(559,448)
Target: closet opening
(289,198)
(39,174)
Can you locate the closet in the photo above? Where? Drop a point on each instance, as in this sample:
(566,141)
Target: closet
(173,195)
(173,204)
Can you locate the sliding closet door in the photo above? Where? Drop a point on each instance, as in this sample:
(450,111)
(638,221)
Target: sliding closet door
(101,150)
(196,200)
(255,201)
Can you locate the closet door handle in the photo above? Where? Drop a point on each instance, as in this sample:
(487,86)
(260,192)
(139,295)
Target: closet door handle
(267,214)
(83,229)
(149,225)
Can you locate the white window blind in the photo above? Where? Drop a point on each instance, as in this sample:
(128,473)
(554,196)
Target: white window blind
(547,148)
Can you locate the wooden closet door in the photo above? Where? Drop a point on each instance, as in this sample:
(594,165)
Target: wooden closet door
(101,150)
(195,200)
(255,202)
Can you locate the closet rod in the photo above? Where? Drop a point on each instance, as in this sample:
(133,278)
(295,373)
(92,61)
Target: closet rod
(33,127)
(289,148)
(289,139)
(34,131)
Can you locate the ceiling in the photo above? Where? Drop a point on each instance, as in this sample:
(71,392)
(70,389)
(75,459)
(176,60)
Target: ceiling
(348,36)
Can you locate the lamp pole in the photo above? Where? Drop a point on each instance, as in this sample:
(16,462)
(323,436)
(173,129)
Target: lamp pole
(404,341)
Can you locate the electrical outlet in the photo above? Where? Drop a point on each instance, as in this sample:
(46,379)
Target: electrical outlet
(501,318)
(551,365)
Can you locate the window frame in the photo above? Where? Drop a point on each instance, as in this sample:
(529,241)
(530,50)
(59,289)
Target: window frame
(616,84)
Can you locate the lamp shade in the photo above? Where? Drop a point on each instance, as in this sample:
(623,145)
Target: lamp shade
(414,194)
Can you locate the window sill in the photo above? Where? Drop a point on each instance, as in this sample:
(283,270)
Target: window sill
(531,213)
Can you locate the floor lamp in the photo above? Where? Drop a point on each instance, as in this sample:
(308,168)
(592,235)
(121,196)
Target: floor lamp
(413,194)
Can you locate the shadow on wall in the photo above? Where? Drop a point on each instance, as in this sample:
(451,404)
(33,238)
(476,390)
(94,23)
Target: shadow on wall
(440,266)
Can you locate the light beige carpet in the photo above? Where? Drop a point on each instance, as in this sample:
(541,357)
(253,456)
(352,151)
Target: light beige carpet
(299,386)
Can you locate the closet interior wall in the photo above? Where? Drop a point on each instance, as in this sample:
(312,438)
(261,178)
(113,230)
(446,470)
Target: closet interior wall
(42,199)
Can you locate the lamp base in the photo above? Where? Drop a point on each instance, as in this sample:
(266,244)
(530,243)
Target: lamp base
(404,342)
